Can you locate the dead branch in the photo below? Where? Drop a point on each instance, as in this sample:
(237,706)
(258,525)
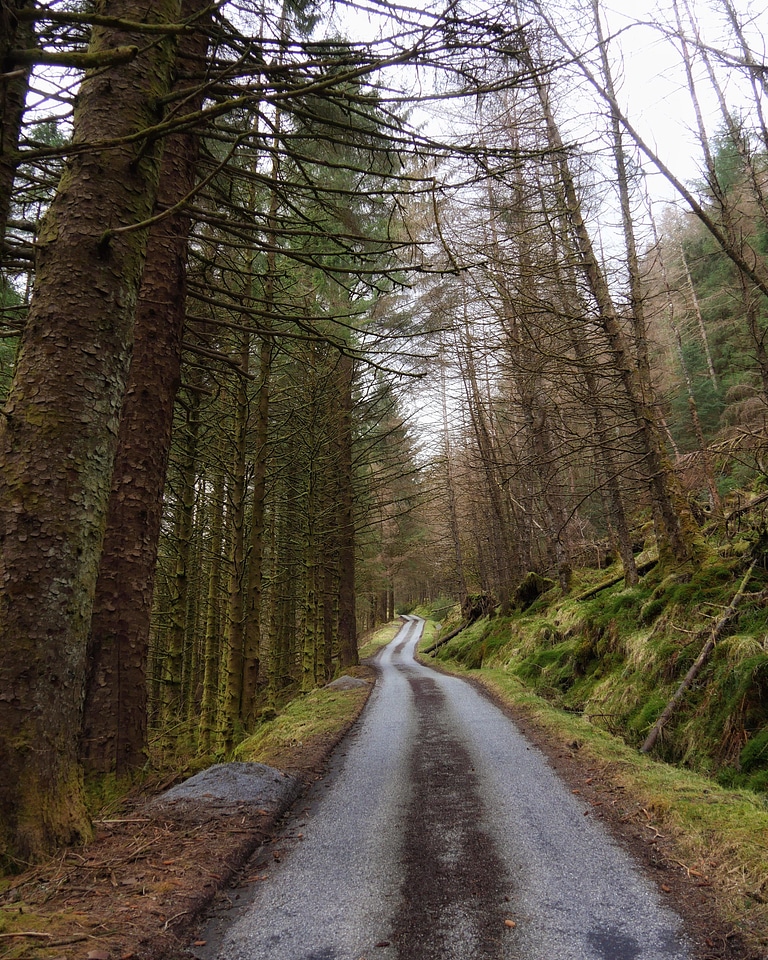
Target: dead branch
(27,933)
(449,636)
(617,578)
(715,633)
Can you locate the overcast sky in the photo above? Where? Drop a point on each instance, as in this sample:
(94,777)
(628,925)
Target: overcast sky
(655,87)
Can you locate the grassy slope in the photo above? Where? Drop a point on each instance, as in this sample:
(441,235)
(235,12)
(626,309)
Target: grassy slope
(601,670)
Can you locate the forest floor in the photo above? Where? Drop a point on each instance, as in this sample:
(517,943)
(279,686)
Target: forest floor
(140,888)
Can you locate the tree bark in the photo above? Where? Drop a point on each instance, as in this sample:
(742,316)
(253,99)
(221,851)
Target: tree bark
(450,489)
(212,648)
(232,712)
(252,653)
(347,622)
(564,260)
(504,566)
(180,588)
(310,601)
(115,715)
(59,433)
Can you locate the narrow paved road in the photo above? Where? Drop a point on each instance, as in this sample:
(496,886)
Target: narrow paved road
(439,824)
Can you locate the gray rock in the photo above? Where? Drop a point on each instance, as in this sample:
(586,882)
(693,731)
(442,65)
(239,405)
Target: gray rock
(346,683)
(231,785)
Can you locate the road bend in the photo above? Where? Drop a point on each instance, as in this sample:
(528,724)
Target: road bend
(441,833)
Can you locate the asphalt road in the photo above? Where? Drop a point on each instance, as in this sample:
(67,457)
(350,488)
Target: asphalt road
(440,833)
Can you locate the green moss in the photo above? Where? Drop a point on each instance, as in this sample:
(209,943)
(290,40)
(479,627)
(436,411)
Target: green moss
(651,610)
(105,792)
(19,918)
(754,756)
(322,713)
(620,655)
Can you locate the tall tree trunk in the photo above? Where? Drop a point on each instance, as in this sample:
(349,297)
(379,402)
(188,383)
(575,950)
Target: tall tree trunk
(505,569)
(232,713)
(212,649)
(178,603)
(347,622)
(310,561)
(252,653)
(526,369)
(58,433)
(194,639)
(115,715)
(450,487)
(330,604)
(252,643)
(285,584)
(565,260)
(674,530)
(14,84)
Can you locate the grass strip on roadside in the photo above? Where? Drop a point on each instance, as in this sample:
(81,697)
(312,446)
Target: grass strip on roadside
(319,717)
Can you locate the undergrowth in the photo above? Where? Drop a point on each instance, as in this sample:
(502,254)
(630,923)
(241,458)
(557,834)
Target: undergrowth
(618,656)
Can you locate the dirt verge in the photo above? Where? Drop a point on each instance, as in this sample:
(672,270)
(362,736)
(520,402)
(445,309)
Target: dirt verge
(137,890)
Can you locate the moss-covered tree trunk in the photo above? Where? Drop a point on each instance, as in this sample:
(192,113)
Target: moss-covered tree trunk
(286,582)
(58,432)
(212,647)
(346,516)
(310,638)
(330,602)
(252,654)
(232,705)
(115,716)
(180,583)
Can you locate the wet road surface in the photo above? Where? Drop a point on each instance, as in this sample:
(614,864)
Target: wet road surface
(440,833)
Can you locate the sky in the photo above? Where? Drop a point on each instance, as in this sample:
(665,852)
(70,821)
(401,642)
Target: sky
(654,87)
